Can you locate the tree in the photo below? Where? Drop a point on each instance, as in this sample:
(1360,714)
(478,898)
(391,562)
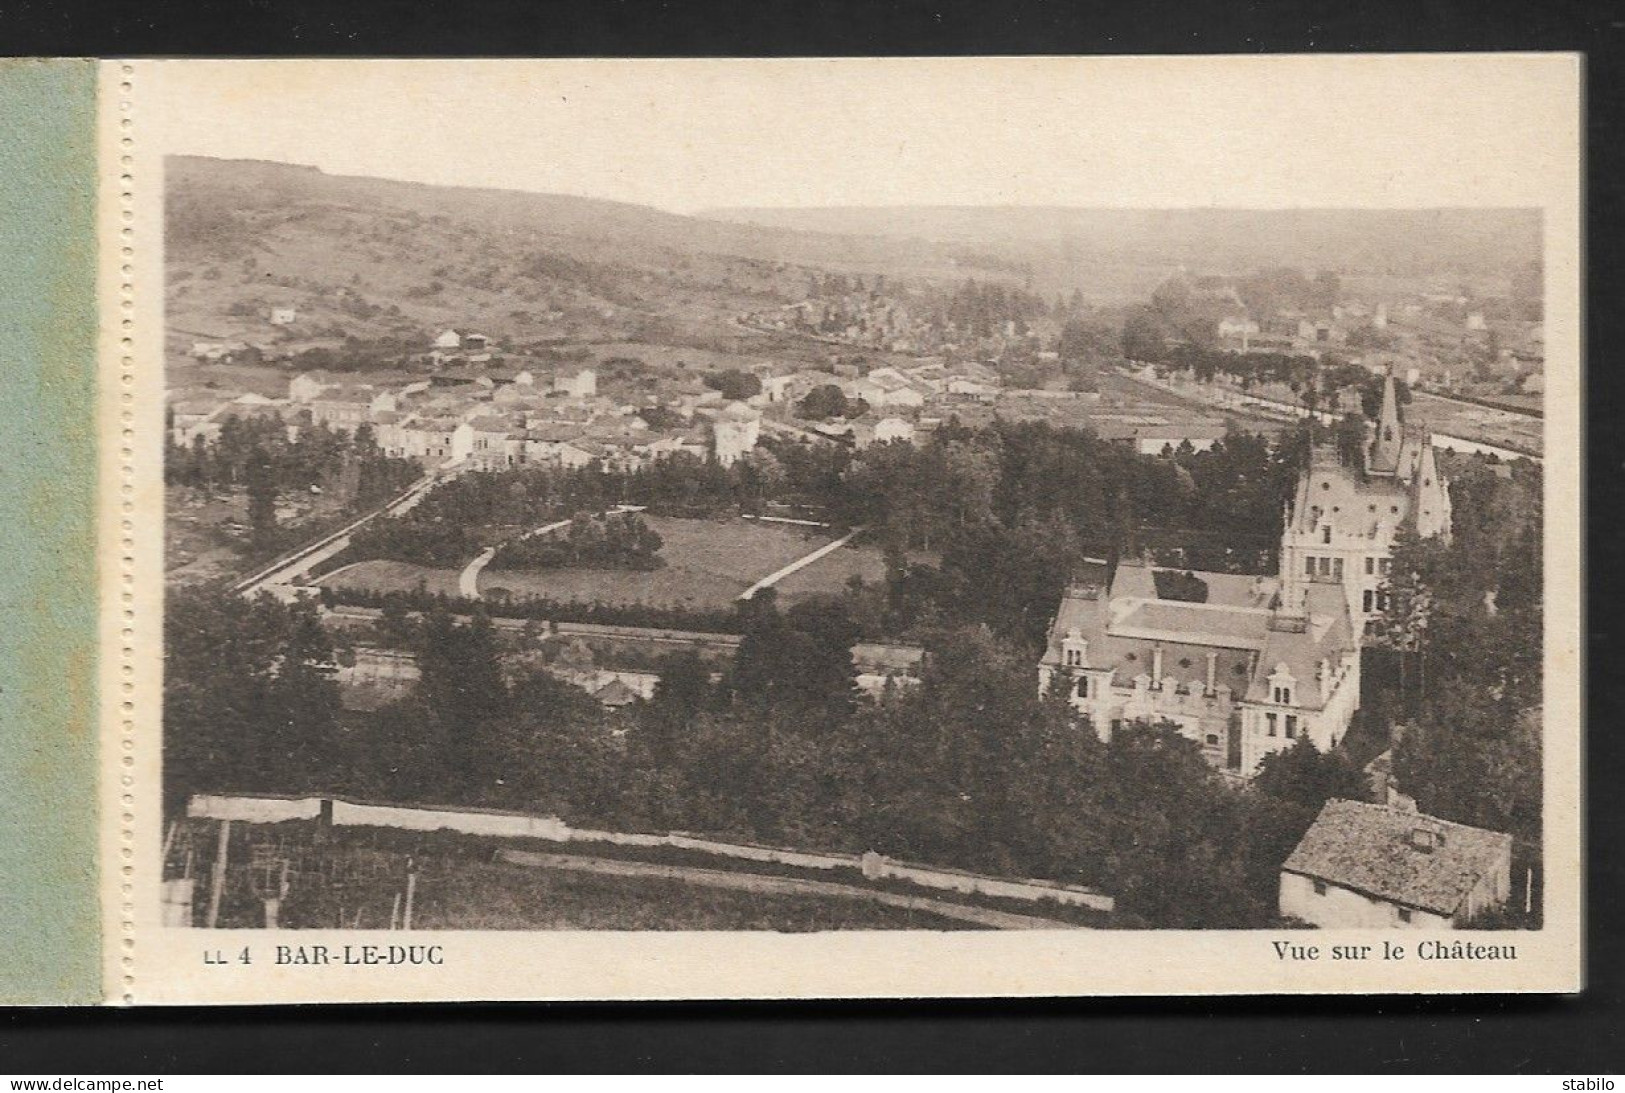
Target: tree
(465,697)
(735,385)
(822,403)
(261,485)
(1305,775)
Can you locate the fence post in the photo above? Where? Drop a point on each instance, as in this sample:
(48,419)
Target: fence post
(219,878)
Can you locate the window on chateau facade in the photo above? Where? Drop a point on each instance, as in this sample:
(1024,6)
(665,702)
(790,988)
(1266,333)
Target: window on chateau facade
(1367,599)
(1291,727)
(1083,687)
(1270,721)
(1337,569)
(1404,914)
(1320,887)
(1074,658)
(1370,566)
(1385,565)
(1283,697)
(1308,565)
(1326,534)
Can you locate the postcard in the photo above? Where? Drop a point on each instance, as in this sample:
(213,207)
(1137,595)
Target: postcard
(831,528)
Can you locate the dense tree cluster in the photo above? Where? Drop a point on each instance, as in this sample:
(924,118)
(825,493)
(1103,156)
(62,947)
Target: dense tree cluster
(734,384)
(828,401)
(613,541)
(541,608)
(256,455)
(971,768)
(1467,620)
(316,456)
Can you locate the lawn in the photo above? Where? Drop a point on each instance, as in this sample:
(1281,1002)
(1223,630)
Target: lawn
(504,897)
(709,563)
(381,576)
(831,572)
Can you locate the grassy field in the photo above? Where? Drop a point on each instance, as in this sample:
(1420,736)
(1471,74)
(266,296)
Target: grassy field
(504,897)
(831,572)
(343,882)
(380,576)
(709,563)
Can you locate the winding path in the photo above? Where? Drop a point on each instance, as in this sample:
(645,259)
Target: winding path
(789,886)
(468,581)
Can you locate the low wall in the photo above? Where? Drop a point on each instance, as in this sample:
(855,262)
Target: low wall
(257,810)
(878,865)
(507,824)
(520,825)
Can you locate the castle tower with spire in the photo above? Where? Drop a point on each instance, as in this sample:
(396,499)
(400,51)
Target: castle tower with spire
(1342,519)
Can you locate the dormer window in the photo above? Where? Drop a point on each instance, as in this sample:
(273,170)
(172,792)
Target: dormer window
(1283,696)
(1325,534)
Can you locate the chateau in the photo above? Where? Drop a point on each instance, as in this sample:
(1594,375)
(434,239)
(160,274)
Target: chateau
(1246,666)
(1246,672)
(1340,524)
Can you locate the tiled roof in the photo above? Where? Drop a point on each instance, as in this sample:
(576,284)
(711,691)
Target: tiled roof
(886,655)
(1371,849)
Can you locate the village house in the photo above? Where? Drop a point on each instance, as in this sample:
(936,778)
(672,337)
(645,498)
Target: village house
(495,443)
(881,664)
(735,431)
(582,384)
(1363,866)
(1244,666)
(873,429)
(343,408)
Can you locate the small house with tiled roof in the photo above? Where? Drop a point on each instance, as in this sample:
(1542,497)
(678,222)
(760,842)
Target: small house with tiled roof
(1362,866)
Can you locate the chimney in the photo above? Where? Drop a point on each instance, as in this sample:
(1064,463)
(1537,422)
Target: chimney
(1156,666)
(1426,839)
(1212,670)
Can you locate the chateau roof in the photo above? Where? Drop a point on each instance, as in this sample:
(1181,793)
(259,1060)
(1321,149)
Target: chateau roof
(1374,849)
(1237,625)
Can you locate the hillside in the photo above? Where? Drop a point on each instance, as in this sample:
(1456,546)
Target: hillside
(368,257)
(1130,249)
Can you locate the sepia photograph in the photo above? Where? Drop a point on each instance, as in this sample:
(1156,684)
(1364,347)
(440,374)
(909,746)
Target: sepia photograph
(891,505)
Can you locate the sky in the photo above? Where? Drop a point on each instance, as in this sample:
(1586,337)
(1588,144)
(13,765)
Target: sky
(1375,132)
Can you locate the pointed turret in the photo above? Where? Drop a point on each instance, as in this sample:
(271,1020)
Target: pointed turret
(1430,496)
(1385,447)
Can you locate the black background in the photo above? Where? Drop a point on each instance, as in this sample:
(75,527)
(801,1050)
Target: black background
(1479,1034)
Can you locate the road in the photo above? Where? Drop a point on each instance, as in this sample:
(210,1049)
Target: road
(787,886)
(280,576)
